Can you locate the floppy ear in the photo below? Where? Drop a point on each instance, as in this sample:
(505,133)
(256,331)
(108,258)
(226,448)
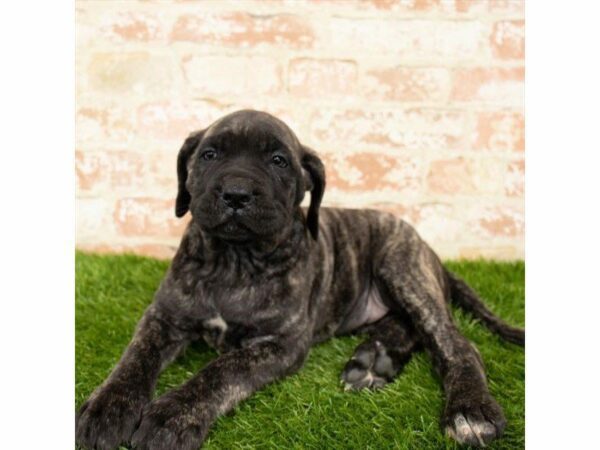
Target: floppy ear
(182,203)
(316,185)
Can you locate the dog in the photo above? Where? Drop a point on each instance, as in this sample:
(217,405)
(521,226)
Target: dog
(261,280)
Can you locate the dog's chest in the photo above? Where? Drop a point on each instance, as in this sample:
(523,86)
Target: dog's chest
(224,337)
(215,330)
(239,317)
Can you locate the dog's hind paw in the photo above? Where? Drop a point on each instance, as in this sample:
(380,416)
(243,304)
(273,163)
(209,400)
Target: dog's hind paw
(370,367)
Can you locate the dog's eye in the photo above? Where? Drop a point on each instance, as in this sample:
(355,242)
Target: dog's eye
(279,161)
(208,155)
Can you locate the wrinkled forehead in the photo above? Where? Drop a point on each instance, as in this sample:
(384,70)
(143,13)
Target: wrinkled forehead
(252,128)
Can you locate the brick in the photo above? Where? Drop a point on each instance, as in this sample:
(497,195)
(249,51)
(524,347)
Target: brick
(403,5)
(408,84)
(469,231)
(134,26)
(99,125)
(114,169)
(225,76)
(241,30)
(416,39)
(498,85)
(507,6)
(148,217)
(451,176)
(425,5)
(508,39)
(514,184)
(174,121)
(126,73)
(443,223)
(438,222)
(363,172)
(399,6)
(83,30)
(322,77)
(500,221)
(93,218)
(470,6)
(383,4)
(463,175)
(126,172)
(160,173)
(499,131)
(410,128)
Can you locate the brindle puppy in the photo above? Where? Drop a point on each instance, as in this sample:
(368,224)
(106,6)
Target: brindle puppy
(261,280)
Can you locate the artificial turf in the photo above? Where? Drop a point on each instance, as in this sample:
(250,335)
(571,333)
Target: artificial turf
(308,410)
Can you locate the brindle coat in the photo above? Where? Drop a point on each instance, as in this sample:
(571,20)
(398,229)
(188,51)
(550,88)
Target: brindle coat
(262,280)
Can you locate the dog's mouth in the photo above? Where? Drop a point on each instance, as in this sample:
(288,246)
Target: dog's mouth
(238,226)
(233,230)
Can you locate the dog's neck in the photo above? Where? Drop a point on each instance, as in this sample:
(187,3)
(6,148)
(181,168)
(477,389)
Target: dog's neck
(250,258)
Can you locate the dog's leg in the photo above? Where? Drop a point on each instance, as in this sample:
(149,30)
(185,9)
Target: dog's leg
(413,278)
(380,359)
(180,419)
(109,417)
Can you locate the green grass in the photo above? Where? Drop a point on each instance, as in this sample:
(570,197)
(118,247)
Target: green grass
(308,410)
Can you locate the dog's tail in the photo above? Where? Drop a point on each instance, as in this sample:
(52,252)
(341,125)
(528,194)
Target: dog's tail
(465,297)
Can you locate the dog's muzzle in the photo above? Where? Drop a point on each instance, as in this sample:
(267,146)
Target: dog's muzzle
(237,197)
(237,194)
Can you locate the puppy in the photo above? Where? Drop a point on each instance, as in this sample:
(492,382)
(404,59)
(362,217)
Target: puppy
(262,280)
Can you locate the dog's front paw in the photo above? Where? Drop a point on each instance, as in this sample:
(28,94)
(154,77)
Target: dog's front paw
(170,423)
(474,422)
(109,417)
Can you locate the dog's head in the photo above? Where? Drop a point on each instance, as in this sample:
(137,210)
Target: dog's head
(243,178)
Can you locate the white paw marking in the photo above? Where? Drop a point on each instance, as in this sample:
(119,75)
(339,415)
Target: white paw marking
(463,430)
(217,322)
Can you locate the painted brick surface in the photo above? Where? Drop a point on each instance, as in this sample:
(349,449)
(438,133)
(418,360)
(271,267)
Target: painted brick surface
(416,107)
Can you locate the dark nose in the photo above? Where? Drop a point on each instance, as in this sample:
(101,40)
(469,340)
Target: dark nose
(236,197)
